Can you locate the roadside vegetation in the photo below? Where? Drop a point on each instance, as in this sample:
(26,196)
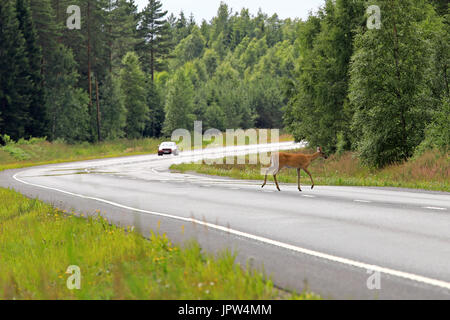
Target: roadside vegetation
(39,242)
(429,171)
(37,151)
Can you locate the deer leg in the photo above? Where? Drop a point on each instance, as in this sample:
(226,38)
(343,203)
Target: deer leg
(298,175)
(272,168)
(309,174)
(265,179)
(276,182)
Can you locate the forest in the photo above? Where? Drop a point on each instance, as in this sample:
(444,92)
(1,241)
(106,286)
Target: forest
(329,80)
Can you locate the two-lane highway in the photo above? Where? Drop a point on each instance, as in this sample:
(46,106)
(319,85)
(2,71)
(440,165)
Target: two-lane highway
(330,239)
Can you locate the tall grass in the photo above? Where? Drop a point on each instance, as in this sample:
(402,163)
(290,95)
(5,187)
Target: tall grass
(429,171)
(38,243)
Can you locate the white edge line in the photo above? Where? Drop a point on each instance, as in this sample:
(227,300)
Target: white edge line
(435,208)
(361,265)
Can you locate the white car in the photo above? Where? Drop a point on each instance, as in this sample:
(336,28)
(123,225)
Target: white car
(168,148)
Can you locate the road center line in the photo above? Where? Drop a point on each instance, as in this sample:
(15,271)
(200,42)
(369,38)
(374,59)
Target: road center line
(435,208)
(356,264)
(362,201)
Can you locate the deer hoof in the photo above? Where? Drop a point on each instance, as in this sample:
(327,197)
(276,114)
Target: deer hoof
(312,187)
(300,190)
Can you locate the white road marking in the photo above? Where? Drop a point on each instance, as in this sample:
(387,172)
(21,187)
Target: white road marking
(362,201)
(353,263)
(435,208)
(308,196)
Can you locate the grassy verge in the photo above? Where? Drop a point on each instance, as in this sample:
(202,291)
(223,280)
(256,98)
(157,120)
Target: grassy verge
(430,171)
(40,152)
(39,242)
(35,152)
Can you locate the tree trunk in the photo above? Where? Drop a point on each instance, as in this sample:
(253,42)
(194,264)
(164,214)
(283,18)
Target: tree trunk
(98,111)
(152,64)
(89,52)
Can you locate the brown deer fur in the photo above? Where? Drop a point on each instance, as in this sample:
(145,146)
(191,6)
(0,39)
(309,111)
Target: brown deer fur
(293,160)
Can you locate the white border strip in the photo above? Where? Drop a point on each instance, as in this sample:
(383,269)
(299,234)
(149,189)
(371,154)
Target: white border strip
(400,274)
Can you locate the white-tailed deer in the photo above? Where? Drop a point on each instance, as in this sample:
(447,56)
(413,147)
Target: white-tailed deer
(293,160)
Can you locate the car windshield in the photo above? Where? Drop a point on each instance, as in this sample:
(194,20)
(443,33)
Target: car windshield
(168,145)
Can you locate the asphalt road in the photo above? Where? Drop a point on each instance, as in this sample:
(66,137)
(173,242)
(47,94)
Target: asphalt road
(330,240)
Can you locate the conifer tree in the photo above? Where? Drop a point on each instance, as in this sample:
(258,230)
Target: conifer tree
(37,123)
(154,35)
(132,82)
(14,74)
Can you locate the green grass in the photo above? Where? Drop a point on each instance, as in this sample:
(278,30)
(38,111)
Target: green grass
(39,242)
(429,171)
(36,151)
(39,152)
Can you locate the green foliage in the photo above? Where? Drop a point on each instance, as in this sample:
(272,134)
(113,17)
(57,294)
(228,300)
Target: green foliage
(179,103)
(190,47)
(437,133)
(155,100)
(389,90)
(327,79)
(318,111)
(113,111)
(132,81)
(15,83)
(154,36)
(122,26)
(37,122)
(68,113)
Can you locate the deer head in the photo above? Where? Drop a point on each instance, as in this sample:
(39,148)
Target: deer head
(322,154)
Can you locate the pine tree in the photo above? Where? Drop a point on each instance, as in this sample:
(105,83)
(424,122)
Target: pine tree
(37,124)
(179,104)
(132,82)
(156,110)
(122,19)
(113,111)
(154,37)
(14,74)
(189,48)
(67,105)
(47,30)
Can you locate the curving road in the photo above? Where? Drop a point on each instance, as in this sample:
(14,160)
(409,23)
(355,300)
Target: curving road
(332,240)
